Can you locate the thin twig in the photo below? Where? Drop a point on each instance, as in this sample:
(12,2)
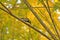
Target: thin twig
(52,20)
(33,7)
(42,23)
(29,25)
(49,12)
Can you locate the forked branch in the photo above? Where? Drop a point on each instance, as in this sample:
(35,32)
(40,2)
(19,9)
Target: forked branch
(28,24)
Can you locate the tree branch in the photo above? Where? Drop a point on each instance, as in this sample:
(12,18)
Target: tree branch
(42,23)
(29,25)
(49,12)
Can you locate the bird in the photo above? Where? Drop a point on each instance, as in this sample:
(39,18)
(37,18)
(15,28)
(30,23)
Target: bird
(26,20)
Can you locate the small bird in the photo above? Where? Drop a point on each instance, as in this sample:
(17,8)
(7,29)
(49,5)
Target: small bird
(26,20)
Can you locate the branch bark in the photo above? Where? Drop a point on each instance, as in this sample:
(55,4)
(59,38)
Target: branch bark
(42,23)
(29,25)
(52,20)
(49,12)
